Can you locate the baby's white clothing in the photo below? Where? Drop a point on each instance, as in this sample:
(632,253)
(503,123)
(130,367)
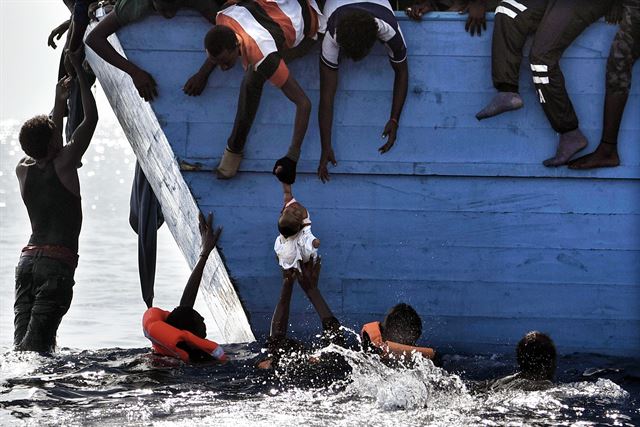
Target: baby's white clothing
(299,247)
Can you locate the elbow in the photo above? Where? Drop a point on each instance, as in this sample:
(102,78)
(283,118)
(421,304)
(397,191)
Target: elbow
(91,40)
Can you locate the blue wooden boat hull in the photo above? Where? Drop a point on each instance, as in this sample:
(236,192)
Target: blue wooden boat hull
(460,219)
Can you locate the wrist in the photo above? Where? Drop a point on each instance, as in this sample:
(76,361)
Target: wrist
(293,153)
(394,120)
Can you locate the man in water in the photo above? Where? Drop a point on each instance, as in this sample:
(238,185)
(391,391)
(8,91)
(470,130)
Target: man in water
(625,51)
(556,24)
(128,11)
(353,26)
(265,35)
(536,355)
(182,332)
(279,345)
(50,189)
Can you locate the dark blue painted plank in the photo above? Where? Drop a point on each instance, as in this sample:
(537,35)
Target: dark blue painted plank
(261,192)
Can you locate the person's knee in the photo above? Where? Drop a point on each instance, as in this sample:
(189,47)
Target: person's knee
(54,297)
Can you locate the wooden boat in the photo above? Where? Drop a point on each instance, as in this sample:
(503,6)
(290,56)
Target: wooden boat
(460,219)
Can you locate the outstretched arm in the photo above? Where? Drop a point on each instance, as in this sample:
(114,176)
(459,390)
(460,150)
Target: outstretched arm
(209,240)
(280,318)
(309,283)
(328,86)
(295,94)
(97,40)
(60,104)
(72,152)
(400,87)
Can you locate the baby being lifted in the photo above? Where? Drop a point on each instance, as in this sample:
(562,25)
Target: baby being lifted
(296,242)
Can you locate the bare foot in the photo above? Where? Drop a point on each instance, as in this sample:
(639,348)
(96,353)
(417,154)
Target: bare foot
(605,156)
(501,103)
(570,143)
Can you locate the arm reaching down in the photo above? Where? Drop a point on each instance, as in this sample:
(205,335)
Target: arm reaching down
(476,22)
(97,40)
(295,94)
(328,86)
(209,239)
(400,88)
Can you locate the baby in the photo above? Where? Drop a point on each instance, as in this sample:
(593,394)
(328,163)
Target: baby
(296,242)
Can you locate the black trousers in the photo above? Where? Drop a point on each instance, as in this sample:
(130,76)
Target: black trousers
(43,293)
(556,23)
(625,50)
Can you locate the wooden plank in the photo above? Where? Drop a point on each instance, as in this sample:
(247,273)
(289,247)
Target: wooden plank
(432,36)
(474,335)
(179,208)
(572,301)
(438,194)
(414,146)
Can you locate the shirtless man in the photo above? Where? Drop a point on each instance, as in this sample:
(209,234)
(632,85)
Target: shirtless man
(50,189)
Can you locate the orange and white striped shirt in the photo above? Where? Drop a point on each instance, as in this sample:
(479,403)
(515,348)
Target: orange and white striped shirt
(267,27)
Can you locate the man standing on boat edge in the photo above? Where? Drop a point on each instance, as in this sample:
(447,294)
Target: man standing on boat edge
(265,35)
(50,189)
(353,26)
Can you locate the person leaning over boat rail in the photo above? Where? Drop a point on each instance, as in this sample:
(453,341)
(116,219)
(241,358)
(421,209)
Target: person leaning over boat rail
(128,11)
(182,332)
(624,52)
(50,189)
(265,34)
(353,26)
(556,24)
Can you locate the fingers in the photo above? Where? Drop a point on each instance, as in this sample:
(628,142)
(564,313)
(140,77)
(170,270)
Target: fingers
(210,220)
(216,235)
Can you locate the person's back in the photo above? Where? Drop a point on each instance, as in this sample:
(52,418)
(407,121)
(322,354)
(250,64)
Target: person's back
(54,211)
(50,189)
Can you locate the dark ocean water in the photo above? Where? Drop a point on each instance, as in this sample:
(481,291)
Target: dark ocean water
(133,387)
(117,381)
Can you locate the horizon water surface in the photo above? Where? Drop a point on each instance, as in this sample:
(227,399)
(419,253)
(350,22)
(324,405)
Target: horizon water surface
(104,374)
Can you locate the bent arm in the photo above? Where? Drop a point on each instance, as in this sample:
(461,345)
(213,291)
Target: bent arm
(295,94)
(97,40)
(400,88)
(73,152)
(328,86)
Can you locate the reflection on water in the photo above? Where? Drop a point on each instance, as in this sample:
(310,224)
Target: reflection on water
(115,386)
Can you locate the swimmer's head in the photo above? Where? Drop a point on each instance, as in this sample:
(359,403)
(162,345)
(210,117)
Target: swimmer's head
(187,319)
(166,8)
(222,47)
(356,33)
(536,354)
(402,325)
(290,221)
(38,136)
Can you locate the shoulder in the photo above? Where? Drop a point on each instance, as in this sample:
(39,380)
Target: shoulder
(128,11)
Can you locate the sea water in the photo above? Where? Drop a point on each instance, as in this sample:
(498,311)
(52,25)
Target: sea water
(104,373)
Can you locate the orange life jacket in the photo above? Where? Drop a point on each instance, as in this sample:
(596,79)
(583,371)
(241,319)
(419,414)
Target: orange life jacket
(165,338)
(375,335)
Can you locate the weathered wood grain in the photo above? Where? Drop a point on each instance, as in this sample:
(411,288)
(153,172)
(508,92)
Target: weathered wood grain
(178,206)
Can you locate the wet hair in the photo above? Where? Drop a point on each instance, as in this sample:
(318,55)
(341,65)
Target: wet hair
(219,39)
(35,136)
(187,319)
(356,33)
(536,354)
(402,324)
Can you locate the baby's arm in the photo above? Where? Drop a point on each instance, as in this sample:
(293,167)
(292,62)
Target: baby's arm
(288,195)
